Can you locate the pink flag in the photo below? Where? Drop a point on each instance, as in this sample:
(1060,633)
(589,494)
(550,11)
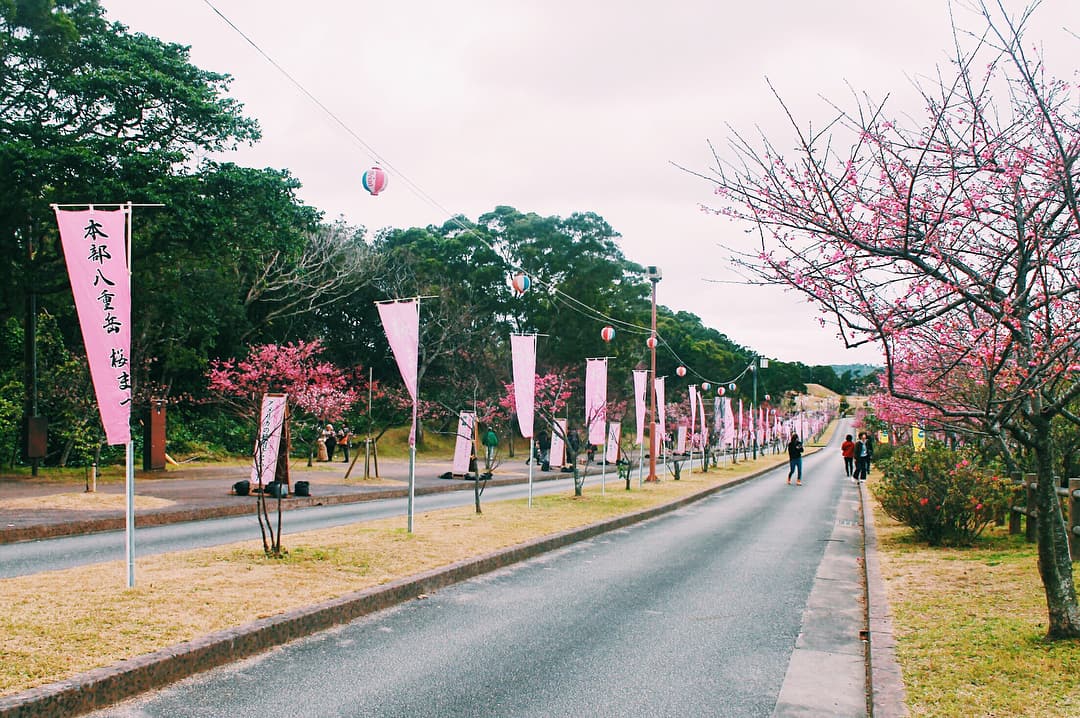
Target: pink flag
(271,420)
(96,256)
(704,426)
(595,399)
(693,411)
(464,445)
(659,383)
(523,355)
(729,423)
(557,457)
(741,426)
(401,322)
(641,379)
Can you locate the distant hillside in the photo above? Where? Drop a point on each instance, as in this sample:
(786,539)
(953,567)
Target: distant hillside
(856,370)
(819,391)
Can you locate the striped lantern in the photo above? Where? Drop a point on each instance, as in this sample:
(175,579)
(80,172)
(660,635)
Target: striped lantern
(374,180)
(607,333)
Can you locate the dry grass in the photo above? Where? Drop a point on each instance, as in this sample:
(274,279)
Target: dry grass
(970,626)
(61,623)
(83,502)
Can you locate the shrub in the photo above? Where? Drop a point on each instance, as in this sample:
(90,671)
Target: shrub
(947,496)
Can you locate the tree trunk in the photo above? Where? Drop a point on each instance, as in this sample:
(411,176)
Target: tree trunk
(1055,565)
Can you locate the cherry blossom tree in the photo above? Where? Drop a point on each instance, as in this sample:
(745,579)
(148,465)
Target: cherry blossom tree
(319,392)
(952,242)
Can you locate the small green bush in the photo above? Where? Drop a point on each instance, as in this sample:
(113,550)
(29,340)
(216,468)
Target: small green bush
(946,496)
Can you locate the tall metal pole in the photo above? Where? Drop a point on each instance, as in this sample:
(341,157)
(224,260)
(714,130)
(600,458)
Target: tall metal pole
(129,452)
(754,416)
(652,391)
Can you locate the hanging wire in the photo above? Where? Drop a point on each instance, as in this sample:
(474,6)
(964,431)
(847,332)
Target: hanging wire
(568,301)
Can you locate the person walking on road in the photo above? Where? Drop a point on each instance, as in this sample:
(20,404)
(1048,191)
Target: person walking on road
(847,450)
(794,452)
(864,452)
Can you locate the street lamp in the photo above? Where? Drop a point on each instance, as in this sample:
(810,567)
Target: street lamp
(653,274)
(758,363)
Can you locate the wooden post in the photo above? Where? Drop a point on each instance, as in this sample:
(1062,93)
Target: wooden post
(1032,515)
(1074,519)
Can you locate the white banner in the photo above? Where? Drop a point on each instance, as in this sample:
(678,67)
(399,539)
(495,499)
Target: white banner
(271,421)
(614,432)
(558,446)
(463,448)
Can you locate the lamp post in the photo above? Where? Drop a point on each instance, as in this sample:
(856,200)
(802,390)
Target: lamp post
(759,363)
(654,275)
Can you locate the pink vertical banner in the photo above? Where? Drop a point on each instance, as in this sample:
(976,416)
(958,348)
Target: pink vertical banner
(613,436)
(463,447)
(704,426)
(401,322)
(693,412)
(96,254)
(641,380)
(523,355)
(729,423)
(558,445)
(268,444)
(595,399)
(741,425)
(659,384)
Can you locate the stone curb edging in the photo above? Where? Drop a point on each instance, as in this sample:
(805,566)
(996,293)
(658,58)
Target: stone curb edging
(885,681)
(103,687)
(161,517)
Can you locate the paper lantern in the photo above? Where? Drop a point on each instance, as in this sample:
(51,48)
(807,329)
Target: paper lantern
(731,386)
(607,333)
(767,397)
(720,391)
(681,371)
(651,342)
(520,283)
(705,386)
(374,180)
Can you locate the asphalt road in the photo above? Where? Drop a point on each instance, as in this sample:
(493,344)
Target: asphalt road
(694,613)
(18,559)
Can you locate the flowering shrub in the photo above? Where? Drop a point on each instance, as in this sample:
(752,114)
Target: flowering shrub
(947,496)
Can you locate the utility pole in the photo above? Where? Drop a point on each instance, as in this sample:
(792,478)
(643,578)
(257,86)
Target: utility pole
(654,275)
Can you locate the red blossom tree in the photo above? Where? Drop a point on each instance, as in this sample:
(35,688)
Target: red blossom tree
(319,392)
(953,243)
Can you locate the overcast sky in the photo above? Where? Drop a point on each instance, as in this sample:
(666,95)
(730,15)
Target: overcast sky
(562,106)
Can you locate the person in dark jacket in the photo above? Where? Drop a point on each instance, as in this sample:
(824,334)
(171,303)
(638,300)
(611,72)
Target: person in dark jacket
(794,452)
(543,443)
(864,452)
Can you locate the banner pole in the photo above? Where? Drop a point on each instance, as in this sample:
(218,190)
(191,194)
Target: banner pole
(532,460)
(129,454)
(129,531)
(412,483)
(603,469)
(641,462)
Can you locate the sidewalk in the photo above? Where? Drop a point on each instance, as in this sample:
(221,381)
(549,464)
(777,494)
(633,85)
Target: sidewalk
(202,492)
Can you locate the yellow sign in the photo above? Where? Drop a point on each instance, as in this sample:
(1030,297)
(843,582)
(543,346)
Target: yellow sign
(918,437)
(883,437)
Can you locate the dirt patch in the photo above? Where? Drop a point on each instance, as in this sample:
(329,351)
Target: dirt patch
(82,502)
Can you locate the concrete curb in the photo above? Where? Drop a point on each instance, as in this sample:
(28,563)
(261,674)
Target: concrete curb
(106,686)
(885,680)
